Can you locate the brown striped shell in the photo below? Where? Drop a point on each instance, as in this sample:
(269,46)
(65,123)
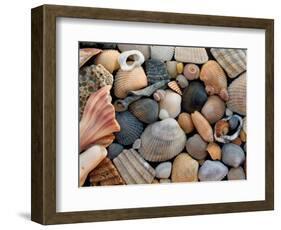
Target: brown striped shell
(109,59)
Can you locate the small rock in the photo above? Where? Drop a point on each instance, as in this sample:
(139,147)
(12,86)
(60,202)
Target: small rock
(137,144)
(163,170)
(196,147)
(236,174)
(165,181)
(113,150)
(214,150)
(212,171)
(232,155)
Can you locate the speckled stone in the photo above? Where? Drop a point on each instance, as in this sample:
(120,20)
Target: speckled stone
(163,170)
(212,171)
(236,174)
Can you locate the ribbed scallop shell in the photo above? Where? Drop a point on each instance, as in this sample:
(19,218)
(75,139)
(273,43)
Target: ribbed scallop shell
(162,140)
(109,59)
(173,85)
(85,54)
(171,103)
(126,81)
(144,49)
(133,168)
(233,61)
(202,126)
(156,71)
(214,109)
(162,53)
(238,95)
(191,55)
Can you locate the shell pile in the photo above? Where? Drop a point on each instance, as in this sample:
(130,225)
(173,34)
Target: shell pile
(153,114)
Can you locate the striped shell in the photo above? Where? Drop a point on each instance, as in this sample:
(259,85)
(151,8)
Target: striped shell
(171,104)
(109,59)
(213,110)
(191,71)
(202,126)
(85,54)
(156,71)
(237,95)
(233,61)
(144,49)
(162,140)
(133,168)
(173,85)
(162,53)
(191,55)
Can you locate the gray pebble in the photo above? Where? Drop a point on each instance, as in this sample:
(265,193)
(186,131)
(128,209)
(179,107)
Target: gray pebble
(232,155)
(114,150)
(236,174)
(212,171)
(137,144)
(163,170)
(233,122)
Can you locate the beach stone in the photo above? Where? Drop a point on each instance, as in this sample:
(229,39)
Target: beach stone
(236,174)
(163,170)
(232,155)
(212,171)
(196,147)
(114,150)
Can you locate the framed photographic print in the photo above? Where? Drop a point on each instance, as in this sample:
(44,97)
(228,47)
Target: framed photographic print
(139,114)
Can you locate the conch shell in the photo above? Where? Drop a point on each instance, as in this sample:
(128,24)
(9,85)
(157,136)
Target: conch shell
(203,127)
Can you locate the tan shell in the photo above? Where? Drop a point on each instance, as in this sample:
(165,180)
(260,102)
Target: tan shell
(109,59)
(202,126)
(214,150)
(214,78)
(85,54)
(173,85)
(185,122)
(171,104)
(243,136)
(126,81)
(213,109)
(191,55)
(237,95)
(179,67)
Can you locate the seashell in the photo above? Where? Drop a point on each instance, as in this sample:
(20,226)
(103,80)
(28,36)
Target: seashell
(237,95)
(233,61)
(137,57)
(89,160)
(196,147)
(114,150)
(228,112)
(185,169)
(191,55)
(122,105)
(85,54)
(237,141)
(137,144)
(212,171)
(236,174)
(126,81)
(191,71)
(214,150)
(185,122)
(156,71)
(162,140)
(159,95)
(98,121)
(221,128)
(105,174)
(202,126)
(194,97)
(179,67)
(171,104)
(146,110)
(233,122)
(144,49)
(244,127)
(213,109)
(172,68)
(163,170)
(149,90)
(173,85)
(98,45)
(109,59)
(162,53)
(131,128)
(215,80)
(182,82)
(232,155)
(133,168)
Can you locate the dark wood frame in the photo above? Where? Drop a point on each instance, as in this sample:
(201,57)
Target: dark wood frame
(43,189)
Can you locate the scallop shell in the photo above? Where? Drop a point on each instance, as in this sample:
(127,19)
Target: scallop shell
(98,121)
(133,168)
(156,71)
(237,95)
(202,126)
(194,97)
(196,147)
(126,81)
(172,68)
(131,128)
(109,59)
(146,110)
(191,55)
(162,53)
(171,104)
(214,109)
(185,122)
(191,71)
(144,49)
(182,81)
(162,140)
(136,55)
(233,61)
(215,80)
(173,85)
(85,54)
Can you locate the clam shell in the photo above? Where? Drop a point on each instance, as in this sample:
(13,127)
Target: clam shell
(156,71)
(136,55)
(237,95)
(131,128)
(133,168)
(114,150)
(191,55)
(146,110)
(213,109)
(196,147)
(185,122)
(172,68)
(194,97)
(173,85)
(191,71)
(232,155)
(109,59)
(233,61)
(182,81)
(126,81)
(212,171)
(214,79)
(144,49)
(171,103)
(202,126)
(162,53)
(85,54)
(162,140)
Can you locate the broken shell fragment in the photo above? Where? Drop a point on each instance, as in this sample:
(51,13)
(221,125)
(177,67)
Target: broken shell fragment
(137,57)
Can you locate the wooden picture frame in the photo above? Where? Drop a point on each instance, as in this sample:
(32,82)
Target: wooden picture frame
(43,208)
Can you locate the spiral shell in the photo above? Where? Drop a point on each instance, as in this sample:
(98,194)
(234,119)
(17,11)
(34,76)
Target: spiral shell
(191,55)
(109,59)
(173,85)
(213,110)
(191,71)
(137,57)
(162,53)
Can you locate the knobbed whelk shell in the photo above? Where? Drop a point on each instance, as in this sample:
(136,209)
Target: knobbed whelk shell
(233,61)
(162,140)
(191,55)
(196,147)
(156,71)
(237,95)
(185,122)
(98,121)
(136,55)
(144,49)
(191,71)
(202,126)
(133,168)
(162,53)
(232,155)
(215,80)
(213,109)
(109,59)
(170,105)
(85,54)
(126,81)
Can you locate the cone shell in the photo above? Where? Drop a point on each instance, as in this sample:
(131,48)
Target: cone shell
(237,95)
(162,140)
(191,71)
(196,147)
(202,126)
(156,71)
(191,55)
(144,49)
(171,104)
(185,122)
(214,109)
(109,59)
(126,81)
(146,110)
(173,85)
(85,54)
(133,168)
(162,53)
(233,61)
